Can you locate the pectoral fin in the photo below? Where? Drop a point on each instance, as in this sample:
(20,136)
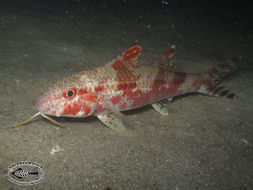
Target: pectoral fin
(112,121)
(162,106)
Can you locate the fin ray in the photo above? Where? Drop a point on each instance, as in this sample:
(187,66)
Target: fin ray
(162,106)
(113,122)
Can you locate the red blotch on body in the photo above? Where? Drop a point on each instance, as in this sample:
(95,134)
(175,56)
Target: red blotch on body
(76,108)
(91,98)
(132,85)
(99,88)
(86,109)
(122,86)
(141,100)
(67,109)
(71,108)
(82,91)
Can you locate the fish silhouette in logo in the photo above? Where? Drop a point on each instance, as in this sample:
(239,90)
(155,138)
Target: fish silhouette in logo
(20,173)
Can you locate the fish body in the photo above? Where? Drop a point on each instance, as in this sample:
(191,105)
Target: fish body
(122,85)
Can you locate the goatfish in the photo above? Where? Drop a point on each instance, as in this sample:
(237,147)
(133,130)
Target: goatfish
(123,84)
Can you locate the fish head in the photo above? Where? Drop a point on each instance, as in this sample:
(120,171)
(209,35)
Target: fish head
(67,98)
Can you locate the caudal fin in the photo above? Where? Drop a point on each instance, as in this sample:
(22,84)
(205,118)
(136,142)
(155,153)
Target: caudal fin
(211,79)
(215,88)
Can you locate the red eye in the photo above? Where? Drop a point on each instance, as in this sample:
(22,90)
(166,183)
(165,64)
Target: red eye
(70,93)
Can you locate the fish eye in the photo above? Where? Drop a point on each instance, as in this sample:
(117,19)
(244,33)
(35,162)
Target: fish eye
(70,93)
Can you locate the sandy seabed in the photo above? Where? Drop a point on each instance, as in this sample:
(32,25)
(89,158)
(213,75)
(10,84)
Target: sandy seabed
(204,143)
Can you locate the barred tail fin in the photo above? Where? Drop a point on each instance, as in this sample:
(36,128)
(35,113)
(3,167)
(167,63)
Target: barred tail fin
(215,88)
(211,79)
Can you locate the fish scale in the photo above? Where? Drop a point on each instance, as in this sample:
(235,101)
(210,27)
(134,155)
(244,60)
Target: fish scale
(122,85)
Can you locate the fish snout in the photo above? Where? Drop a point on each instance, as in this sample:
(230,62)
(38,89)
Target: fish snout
(41,104)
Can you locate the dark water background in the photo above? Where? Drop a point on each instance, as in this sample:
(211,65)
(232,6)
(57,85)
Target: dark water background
(204,143)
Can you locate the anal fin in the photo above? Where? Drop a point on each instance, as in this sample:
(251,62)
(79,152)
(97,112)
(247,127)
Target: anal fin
(112,121)
(162,106)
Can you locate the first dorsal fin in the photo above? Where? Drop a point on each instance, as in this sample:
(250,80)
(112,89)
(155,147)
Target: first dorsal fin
(128,57)
(166,59)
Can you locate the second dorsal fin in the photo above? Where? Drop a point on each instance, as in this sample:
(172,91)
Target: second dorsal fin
(166,59)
